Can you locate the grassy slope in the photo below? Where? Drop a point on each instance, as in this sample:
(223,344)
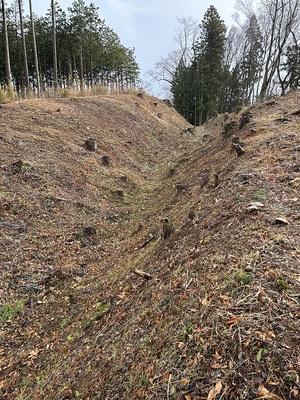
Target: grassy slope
(219,319)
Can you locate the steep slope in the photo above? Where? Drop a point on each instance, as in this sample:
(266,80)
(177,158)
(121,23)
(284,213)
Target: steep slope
(218,314)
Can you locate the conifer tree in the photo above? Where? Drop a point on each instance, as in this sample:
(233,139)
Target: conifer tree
(209,56)
(63,49)
(197,88)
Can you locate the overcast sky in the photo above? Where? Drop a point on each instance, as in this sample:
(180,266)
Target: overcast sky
(147,25)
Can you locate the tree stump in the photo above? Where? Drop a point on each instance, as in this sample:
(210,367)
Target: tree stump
(91,144)
(16,167)
(120,193)
(123,178)
(216,180)
(238,148)
(230,128)
(106,161)
(204,179)
(89,231)
(245,119)
(180,187)
(167,228)
(191,130)
(168,102)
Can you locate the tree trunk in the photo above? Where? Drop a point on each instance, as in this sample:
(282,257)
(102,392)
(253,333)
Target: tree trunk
(36,61)
(7,54)
(26,72)
(81,68)
(55,78)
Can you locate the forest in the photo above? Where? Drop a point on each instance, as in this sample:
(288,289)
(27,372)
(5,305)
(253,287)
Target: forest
(62,50)
(215,69)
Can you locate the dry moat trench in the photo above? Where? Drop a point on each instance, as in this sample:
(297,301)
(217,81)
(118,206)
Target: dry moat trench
(219,316)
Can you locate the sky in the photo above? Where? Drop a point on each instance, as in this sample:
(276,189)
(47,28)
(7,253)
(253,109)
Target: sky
(148,26)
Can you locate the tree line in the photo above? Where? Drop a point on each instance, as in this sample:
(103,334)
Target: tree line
(73,49)
(216,69)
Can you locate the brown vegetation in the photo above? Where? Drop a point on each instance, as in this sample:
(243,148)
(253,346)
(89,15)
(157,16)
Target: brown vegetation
(94,305)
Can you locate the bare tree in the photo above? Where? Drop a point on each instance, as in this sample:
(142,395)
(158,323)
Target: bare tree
(185,36)
(244,8)
(288,71)
(278,18)
(165,68)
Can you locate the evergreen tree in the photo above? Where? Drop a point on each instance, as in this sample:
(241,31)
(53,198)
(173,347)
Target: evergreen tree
(233,89)
(88,52)
(205,75)
(209,55)
(291,66)
(181,90)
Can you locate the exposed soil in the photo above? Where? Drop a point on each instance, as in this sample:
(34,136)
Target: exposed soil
(95,305)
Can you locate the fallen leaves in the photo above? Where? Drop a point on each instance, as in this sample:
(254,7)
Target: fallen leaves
(264,393)
(234,320)
(266,335)
(224,299)
(215,391)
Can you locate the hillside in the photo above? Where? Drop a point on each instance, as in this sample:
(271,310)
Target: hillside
(216,315)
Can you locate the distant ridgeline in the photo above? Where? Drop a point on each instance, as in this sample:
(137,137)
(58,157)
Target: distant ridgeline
(62,50)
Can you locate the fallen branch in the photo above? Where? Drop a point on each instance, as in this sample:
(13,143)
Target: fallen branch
(143,274)
(151,237)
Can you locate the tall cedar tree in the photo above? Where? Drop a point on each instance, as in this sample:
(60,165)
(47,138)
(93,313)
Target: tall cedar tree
(197,89)
(209,56)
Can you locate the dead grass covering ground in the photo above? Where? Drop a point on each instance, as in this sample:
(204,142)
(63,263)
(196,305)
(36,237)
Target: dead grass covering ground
(220,317)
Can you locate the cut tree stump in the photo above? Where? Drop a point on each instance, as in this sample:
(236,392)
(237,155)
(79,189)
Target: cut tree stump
(106,161)
(238,148)
(91,144)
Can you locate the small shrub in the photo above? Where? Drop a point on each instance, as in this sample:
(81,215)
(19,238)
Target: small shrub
(144,381)
(261,194)
(188,329)
(8,94)
(242,278)
(8,311)
(282,285)
(102,307)
(280,239)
